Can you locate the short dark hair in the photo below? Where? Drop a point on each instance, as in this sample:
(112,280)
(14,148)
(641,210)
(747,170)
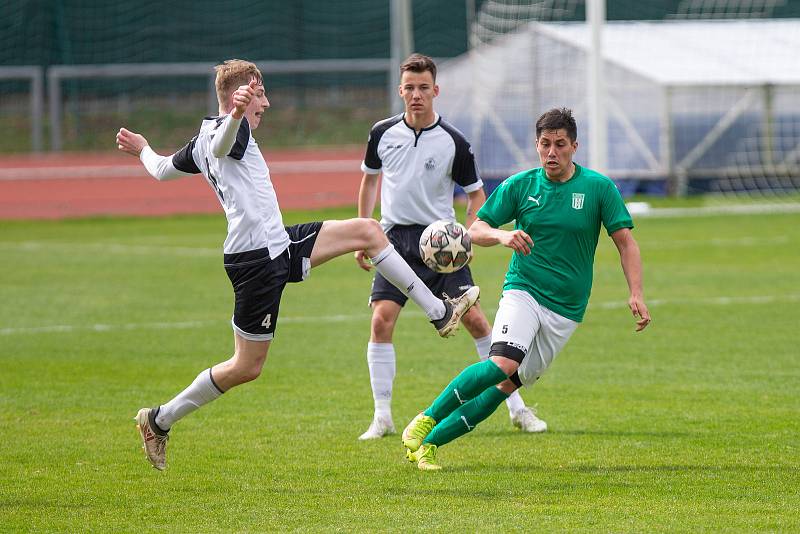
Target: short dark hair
(557,119)
(418,63)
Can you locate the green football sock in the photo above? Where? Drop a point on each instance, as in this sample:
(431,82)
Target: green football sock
(469,383)
(466,417)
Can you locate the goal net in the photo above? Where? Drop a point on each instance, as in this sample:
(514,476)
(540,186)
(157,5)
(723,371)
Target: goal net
(700,94)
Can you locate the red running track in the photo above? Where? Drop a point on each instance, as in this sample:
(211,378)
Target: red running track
(56,186)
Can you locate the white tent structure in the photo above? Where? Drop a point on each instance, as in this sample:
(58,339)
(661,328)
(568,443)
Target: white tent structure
(698,105)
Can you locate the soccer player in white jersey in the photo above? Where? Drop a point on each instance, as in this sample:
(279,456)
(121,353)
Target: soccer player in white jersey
(421,157)
(261,255)
(557,210)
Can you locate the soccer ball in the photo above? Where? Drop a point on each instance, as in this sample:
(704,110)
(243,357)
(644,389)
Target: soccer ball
(445,246)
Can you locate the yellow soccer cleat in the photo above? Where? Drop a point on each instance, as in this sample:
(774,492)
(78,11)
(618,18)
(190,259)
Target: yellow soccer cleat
(417,430)
(425,457)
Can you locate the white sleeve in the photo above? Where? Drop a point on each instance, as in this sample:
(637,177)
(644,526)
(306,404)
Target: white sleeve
(160,167)
(222,143)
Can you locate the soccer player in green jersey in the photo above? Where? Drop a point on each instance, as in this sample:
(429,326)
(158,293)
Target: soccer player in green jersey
(557,211)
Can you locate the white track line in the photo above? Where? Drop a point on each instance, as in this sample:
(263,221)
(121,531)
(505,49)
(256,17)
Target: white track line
(612,305)
(78,172)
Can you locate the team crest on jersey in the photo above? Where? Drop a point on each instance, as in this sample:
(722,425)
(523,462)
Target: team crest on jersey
(577,201)
(430,164)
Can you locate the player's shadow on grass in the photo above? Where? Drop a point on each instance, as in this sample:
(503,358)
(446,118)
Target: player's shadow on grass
(610,433)
(465,467)
(633,433)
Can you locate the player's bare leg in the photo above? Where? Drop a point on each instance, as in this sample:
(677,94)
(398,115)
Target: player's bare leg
(340,237)
(154,424)
(244,366)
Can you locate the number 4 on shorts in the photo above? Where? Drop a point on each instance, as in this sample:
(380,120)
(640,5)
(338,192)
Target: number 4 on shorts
(267,321)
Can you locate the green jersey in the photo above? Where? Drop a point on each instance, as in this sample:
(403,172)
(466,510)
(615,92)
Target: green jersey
(563,219)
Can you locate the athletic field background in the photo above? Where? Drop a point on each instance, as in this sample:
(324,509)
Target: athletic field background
(691,425)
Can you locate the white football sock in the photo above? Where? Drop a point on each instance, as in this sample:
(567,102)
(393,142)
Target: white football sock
(515,402)
(395,269)
(383,409)
(483,346)
(381,361)
(200,392)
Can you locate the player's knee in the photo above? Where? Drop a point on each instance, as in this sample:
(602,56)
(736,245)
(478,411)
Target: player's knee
(511,385)
(382,329)
(371,232)
(247,371)
(507,365)
(242,375)
(507,356)
(251,373)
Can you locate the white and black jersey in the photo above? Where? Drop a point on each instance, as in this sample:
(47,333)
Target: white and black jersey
(242,184)
(420,170)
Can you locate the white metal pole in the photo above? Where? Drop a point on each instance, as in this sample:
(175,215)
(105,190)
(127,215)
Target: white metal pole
(598,130)
(470,9)
(402,37)
(37,109)
(54,107)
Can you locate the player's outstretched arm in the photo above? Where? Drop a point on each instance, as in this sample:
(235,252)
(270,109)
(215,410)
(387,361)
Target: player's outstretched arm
(160,167)
(485,236)
(631,260)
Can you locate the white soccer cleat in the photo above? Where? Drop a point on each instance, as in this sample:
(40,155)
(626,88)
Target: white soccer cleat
(525,419)
(380,426)
(455,308)
(154,441)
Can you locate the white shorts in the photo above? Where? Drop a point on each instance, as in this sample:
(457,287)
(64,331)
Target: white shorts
(535,330)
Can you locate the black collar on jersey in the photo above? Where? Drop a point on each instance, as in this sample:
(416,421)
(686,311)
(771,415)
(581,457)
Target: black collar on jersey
(417,134)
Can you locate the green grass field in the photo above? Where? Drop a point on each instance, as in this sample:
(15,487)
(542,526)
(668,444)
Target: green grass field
(689,426)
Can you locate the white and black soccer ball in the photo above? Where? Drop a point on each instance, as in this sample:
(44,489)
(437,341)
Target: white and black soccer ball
(445,246)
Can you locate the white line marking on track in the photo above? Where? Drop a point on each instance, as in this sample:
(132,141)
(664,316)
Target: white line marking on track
(612,305)
(81,172)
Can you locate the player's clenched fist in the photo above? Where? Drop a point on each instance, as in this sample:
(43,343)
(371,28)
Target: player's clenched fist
(242,97)
(130,142)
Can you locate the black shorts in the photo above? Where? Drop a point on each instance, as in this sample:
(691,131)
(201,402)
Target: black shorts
(258,281)
(406,242)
